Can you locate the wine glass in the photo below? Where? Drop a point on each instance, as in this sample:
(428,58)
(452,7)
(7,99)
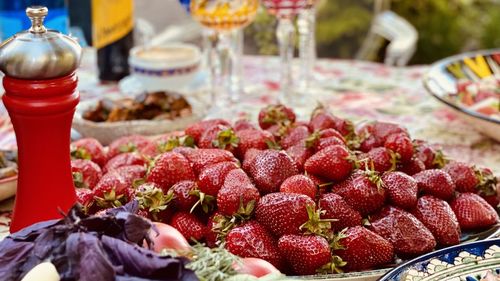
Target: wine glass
(223,21)
(306,23)
(285,11)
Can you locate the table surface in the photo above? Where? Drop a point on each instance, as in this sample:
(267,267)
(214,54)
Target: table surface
(356,90)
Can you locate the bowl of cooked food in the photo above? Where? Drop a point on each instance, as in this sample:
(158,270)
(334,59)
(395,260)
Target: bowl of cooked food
(146,114)
(469,84)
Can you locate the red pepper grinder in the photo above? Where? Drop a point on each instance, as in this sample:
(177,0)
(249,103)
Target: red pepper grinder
(41,96)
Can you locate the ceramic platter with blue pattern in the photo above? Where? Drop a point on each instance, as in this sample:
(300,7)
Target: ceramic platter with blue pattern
(474,261)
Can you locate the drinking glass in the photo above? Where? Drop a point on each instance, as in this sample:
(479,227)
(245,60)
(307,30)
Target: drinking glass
(285,11)
(223,21)
(306,23)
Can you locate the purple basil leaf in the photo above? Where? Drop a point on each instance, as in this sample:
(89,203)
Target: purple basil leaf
(144,263)
(130,207)
(31,232)
(12,255)
(86,258)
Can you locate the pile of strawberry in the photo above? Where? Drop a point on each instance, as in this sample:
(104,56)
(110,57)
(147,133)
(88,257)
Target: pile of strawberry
(308,197)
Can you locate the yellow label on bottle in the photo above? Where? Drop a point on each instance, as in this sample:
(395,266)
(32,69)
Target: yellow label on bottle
(111,21)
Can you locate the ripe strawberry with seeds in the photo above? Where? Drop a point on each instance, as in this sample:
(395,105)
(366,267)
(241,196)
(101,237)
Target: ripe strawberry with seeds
(405,232)
(127,144)
(167,143)
(374,134)
(305,254)
(473,212)
(435,182)
(217,227)
(131,173)
(283,213)
(439,218)
(294,136)
(468,178)
(86,174)
(85,197)
(184,197)
(333,163)
(326,142)
(402,190)
(363,191)
(432,157)
(124,159)
(189,225)
(201,158)
(412,167)
(89,149)
(364,249)
(252,240)
(111,191)
(212,177)
(197,129)
(336,208)
(219,136)
(243,124)
(170,168)
(401,144)
(252,139)
(300,184)
(275,114)
(238,195)
(269,168)
(322,119)
(381,158)
(299,154)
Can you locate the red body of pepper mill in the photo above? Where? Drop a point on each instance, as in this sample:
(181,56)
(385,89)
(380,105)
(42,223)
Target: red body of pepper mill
(41,96)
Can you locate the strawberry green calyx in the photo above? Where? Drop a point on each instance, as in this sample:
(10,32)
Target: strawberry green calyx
(316,225)
(173,142)
(487,182)
(207,202)
(110,199)
(80,153)
(226,138)
(78,180)
(335,240)
(129,147)
(223,225)
(375,178)
(333,267)
(153,199)
(272,145)
(245,211)
(313,138)
(440,160)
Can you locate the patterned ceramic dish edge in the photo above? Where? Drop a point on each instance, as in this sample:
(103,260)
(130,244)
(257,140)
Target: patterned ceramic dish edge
(468,262)
(441,80)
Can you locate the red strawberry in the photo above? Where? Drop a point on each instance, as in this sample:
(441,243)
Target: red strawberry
(170,168)
(212,177)
(189,225)
(237,195)
(463,176)
(252,138)
(332,163)
(184,199)
(326,142)
(401,144)
(85,197)
(269,169)
(86,174)
(219,136)
(375,134)
(429,155)
(299,154)
(381,158)
(473,212)
(275,114)
(124,159)
(330,132)
(305,254)
(488,187)
(89,149)
(127,144)
(196,130)
(166,143)
(363,192)
(412,167)
(300,184)
(321,119)
(253,240)
(439,218)
(294,136)
(283,213)
(401,189)
(435,182)
(243,124)
(336,208)
(215,224)
(364,249)
(111,191)
(201,158)
(405,232)
(131,173)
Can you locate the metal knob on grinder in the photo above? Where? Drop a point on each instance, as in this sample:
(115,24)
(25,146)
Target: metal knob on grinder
(41,97)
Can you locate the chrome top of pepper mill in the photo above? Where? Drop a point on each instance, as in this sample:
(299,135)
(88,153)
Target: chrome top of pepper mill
(38,53)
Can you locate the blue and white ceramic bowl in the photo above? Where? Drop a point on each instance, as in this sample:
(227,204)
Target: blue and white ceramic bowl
(468,262)
(165,68)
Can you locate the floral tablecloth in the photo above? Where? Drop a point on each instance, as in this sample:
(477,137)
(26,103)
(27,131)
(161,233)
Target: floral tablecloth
(353,89)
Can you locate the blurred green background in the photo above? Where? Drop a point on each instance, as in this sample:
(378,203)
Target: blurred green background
(445,27)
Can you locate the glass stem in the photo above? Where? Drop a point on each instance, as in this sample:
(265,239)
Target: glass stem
(210,41)
(236,79)
(306,23)
(285,34)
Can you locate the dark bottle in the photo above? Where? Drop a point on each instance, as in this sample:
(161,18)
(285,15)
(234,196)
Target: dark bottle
(108,27)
